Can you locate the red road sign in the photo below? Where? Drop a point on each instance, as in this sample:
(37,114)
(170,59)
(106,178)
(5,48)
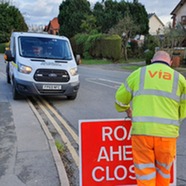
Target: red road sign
(106,154)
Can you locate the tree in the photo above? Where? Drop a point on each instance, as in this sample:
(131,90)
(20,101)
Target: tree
(10,20)
(109,12)
(107,15)
(140,16)
(71,15)
(174,37)
(98,12)
(88,25)
(125,28)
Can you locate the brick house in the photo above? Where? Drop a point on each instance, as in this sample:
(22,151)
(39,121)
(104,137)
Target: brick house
(53,27)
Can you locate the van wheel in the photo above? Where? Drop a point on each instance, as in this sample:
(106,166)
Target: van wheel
(16,95)
(72,97)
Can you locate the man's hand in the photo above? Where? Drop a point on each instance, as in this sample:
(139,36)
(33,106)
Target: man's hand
(129,112)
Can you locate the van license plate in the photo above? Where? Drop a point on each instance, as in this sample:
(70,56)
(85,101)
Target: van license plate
(52,87)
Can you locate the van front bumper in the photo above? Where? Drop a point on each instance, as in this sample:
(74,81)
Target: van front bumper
(30,88)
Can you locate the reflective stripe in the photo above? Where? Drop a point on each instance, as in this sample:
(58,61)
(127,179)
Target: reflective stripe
(183,97)
(145,165)
(175,83)
(164,165)
(142,78)
(167,176)
(146,177)
(158,93)
(155,120)
(127,87)
(121,104)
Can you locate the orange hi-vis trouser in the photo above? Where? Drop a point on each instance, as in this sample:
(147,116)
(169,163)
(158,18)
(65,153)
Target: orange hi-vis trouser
(153,158)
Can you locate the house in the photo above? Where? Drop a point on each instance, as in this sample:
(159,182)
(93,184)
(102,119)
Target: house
(179,14)
(53,27)
(156,27)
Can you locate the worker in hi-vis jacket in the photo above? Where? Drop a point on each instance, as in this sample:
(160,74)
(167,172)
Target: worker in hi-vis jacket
(154,97)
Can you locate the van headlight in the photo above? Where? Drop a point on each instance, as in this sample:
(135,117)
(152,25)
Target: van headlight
(73,71)
(24,69)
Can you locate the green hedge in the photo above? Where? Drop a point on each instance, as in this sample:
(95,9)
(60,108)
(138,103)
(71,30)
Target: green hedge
(107,47)
(148,56)
(78,43)
(97,46)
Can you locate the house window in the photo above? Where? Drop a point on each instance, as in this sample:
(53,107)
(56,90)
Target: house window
(183,19)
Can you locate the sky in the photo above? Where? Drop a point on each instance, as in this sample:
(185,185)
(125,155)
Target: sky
(40,12)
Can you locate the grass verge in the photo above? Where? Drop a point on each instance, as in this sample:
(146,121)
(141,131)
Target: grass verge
(106,61)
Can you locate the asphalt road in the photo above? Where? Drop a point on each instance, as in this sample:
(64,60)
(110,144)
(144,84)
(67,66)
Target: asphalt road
(95,100)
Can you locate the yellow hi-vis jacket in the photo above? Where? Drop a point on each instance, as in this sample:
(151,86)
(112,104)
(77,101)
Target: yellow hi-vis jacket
(158,97)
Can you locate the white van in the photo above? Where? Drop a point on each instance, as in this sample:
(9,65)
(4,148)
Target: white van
(41,64)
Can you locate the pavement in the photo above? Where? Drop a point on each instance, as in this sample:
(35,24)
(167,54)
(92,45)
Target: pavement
(28,156)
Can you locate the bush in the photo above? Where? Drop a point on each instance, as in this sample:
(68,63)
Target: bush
(97,46)
(151,42)
(78,43)
(148,56)
(3,46)
(90,44)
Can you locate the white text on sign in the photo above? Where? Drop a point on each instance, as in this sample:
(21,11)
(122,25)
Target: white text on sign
(119,153)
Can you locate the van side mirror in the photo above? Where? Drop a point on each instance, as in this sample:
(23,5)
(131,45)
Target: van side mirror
(78,59)
(8,55)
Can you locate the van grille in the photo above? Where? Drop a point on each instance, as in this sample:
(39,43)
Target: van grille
(51,75)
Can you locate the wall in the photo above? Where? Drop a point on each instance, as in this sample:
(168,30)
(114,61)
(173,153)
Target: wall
(181,12)
(154,24)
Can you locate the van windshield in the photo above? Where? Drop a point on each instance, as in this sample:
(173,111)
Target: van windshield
(39,47)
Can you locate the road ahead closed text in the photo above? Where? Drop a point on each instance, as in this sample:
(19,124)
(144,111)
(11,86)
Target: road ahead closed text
(106,153)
